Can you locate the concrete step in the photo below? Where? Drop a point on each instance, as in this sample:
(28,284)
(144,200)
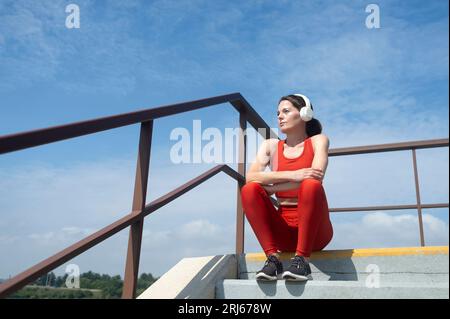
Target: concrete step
(252,289)
(410,272)
(412,264)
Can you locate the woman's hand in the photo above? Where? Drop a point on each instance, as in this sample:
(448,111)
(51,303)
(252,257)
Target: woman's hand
(304,173)
(269,189)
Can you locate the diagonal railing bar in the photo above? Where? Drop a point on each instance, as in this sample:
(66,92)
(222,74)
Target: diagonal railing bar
(244,108)
(81,246)
(24,140)
(163,200)
(43,267)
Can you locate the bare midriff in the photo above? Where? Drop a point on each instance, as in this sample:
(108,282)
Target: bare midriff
(287,201)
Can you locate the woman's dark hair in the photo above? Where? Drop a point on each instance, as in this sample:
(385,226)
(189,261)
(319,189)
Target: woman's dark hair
(313,127)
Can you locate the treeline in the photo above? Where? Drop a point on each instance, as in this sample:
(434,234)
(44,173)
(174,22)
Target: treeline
(92,285)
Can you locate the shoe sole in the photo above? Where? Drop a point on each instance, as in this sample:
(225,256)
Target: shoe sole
(265,277)
(287,275)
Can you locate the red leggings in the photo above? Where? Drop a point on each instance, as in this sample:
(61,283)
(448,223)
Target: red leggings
(304,228)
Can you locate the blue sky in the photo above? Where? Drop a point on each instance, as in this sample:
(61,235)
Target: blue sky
(368,86)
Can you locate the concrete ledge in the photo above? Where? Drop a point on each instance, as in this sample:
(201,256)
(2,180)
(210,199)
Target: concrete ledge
(410,264)
(410,272)
(360,252)
(193,278)
(250,289)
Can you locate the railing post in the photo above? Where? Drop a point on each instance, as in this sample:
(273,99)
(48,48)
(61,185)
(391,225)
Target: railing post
(419,205)
(139,197)
(242,160)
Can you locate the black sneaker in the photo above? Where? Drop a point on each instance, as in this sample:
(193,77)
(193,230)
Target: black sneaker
(299,270)
(272,269)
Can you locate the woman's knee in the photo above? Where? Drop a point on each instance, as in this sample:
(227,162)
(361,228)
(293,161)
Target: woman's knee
(324,240)
(311,183)
(311,188)
(251,187)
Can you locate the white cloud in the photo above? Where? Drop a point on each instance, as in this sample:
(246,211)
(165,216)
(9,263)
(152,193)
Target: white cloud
(377,230)
(38,47)
(175,240)
(360,81)
(65,235)
(384,230)
(198,229)
(51,197)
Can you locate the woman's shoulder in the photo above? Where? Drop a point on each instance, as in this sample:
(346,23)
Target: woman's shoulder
(271,145)
(272,141)
(320,140)
(319,137)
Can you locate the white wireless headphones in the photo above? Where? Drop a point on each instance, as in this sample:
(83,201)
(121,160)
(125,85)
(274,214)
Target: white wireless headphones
(306,112)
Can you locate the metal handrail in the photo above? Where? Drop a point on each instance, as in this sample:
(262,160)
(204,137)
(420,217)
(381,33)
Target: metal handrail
(81,246)
(20,141)
(379,148)
(24,140)
(385,207)
(412,146)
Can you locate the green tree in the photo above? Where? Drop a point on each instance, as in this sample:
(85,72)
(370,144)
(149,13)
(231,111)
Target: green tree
(144,281)
(93,285)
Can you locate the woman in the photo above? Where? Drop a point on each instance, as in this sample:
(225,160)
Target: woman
(298,163)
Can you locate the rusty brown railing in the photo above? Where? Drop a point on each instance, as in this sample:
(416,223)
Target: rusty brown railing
(20,141)
(413,146)
(140,210)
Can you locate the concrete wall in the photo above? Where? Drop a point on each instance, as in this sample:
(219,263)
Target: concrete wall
(410,272)
(193,278)
(381,273)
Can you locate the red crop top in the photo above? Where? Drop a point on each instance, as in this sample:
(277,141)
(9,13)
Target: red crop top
(291,164)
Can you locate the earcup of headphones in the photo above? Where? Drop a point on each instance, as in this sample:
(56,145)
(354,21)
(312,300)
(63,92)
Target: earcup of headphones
(306,113)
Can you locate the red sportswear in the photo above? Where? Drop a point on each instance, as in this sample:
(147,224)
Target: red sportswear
(303,228)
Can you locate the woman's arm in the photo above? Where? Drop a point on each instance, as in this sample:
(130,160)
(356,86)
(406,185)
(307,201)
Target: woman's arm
(320,160)
(256,172)
(271,189)
(267,178)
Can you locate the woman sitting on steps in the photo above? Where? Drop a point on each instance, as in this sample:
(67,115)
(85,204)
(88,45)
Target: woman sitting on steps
(298,163)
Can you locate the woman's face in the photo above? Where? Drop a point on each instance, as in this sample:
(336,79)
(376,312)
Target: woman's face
(288,116)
